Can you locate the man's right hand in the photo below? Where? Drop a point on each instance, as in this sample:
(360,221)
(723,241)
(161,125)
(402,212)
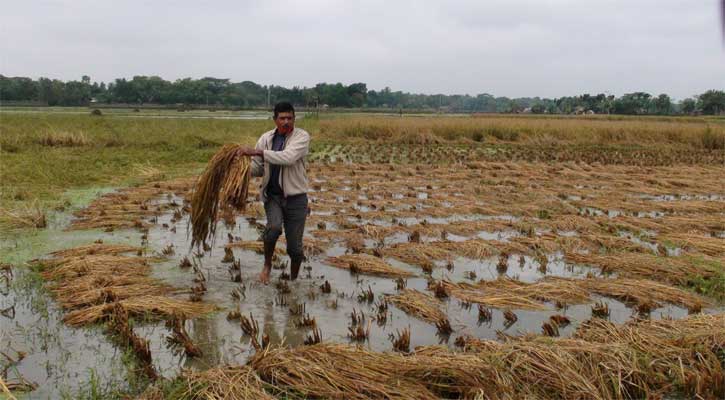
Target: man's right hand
(248,151)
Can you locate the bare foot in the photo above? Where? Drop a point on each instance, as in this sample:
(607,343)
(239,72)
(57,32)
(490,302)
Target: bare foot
(264,276)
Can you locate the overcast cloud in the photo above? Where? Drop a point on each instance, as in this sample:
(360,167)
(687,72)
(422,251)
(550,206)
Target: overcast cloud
(546,48)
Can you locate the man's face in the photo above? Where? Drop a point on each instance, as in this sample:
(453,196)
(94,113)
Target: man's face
(285,122)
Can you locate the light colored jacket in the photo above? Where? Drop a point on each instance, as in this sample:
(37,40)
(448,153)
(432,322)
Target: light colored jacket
(293,174)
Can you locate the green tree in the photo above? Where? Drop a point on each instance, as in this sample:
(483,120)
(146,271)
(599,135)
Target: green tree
(688,106)
(712,102)
(357,93)
(633,103)
(662,104)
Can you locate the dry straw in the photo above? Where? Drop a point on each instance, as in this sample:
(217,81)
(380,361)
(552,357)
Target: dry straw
(642,291)
(673,270)
(337,371)
(475,249)
(603,361)
(73,267)
(509,293)
(71,297)
(6,390)
(96,249)
(419,304)
(416,253)
(224,183)
(367,264)
(256,246)
(712,246)
(159,306)
(89,282)
(26,217)
(232,383)
(128,207)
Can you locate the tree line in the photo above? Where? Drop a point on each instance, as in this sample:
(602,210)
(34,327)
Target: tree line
(214,92)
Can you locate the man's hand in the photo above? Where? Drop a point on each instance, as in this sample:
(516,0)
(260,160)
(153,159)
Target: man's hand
(248,151)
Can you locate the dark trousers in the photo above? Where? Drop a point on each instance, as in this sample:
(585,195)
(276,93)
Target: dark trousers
(289,213)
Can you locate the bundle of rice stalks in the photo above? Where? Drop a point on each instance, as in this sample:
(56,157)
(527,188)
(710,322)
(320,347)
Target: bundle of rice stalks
(606,361)
(707,330)
(224,183)
(712,246)
(641,291)
(564,368)
(376,232)
(416,253)
(128,207)
(667,350)
(367,264)
(98,265)
(233,383)
(23,218)
(256,246)
(468,228)
(674,270)
(71,297)
(509,293)
(140,306)
(96,249)
(550,243)
(330,370)
(476,249)
(420,305)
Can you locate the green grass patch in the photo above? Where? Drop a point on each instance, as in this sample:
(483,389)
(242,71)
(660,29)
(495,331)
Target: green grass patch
(713,286)
(44,154)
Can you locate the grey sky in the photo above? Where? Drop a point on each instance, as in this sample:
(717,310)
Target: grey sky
(515,48)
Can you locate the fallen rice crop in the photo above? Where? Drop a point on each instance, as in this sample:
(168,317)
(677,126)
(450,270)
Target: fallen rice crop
(367,264)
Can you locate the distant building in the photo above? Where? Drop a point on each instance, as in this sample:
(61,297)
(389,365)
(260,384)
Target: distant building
(583,111)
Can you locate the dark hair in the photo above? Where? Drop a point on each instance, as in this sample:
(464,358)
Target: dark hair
(283,106)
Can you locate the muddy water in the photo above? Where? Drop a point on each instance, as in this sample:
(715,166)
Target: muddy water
(59,359)
(224,342)
(62,359)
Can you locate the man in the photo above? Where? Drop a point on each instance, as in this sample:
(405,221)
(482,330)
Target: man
(279,158)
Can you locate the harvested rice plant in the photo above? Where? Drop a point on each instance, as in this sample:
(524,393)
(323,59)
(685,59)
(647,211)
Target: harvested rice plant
(447,257)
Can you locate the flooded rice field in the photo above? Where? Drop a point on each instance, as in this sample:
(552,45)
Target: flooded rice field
(398,256)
